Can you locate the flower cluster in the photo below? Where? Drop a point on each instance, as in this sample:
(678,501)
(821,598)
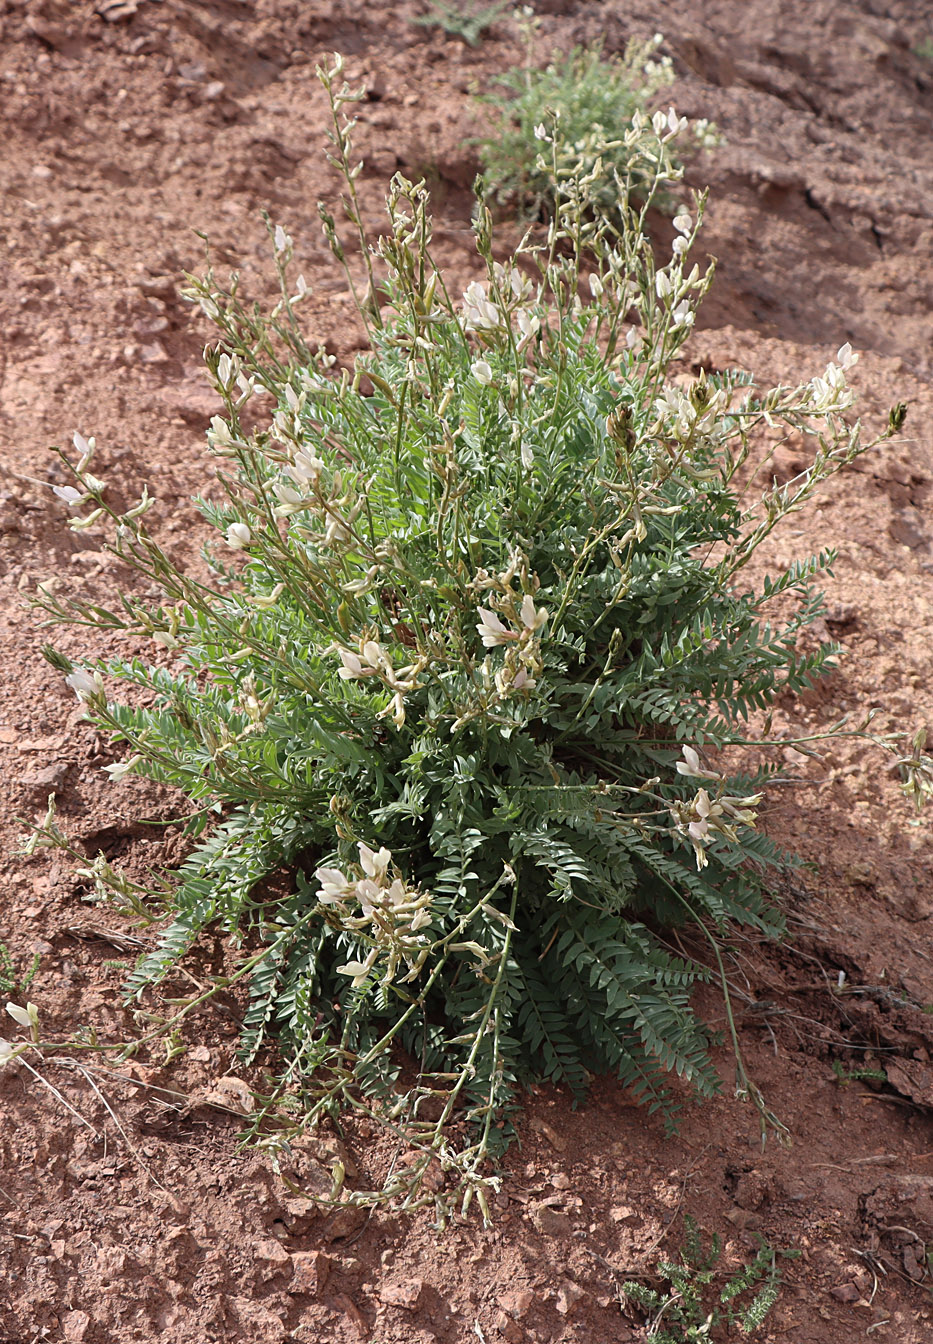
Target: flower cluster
(388,914)
(702,818)
(374,661)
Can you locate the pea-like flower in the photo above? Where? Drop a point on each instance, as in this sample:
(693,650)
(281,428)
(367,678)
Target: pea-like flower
(238,536)
(479,312)
(491,630)
(86,685)
(690,766)
(481,370)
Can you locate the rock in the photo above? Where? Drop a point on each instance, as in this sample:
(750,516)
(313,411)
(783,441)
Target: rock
(258,1322)
(568,1297)
(904,1203)
(344,1221)
(40,783)
(907,528)
(74,1326)
(555,1139)
(309,1272)
(405,1293)
(509,1329)
(272,1258)
(845,1292)
(551,1222)
(517,1303)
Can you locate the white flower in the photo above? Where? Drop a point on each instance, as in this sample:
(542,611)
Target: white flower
(540,131)
(492,632)
(7,1052)
(83,445)
(532,619)
(690,765)
(527,456)
(359,969)
(280,239)
(683,223)
(26,1017)
(334,886)
(238,535)
(683,315)
(662,285)
(121,769)
(335,531)
(482,372)
(679,246)
(86,685)
(352,667)
(846,357)
(632,337)
(479,313)
(529,324)
(596,286)
(69,494)
(290,499)
(219,431)
(376,864)
(305,466)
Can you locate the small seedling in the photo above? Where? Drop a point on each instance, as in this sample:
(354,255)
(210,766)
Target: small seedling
(688,1309)
(468,22)
(13,983)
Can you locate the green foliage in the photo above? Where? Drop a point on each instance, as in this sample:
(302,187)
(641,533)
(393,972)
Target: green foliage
(924,49)
(465,21)
(688,1309)
(580,113)
(479,634)
(846,1076)
(13,983)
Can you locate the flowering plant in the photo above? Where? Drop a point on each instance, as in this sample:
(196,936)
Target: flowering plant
(464,674)
(589,109)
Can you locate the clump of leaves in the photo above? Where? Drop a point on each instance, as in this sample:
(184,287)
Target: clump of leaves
(481,631)
(13,981)
(688,1309)
(468,22)
(585,106)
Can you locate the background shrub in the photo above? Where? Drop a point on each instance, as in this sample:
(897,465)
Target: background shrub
(586,101)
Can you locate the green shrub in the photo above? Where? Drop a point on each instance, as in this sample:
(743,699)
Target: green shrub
(688,1309)
(584,106)
(468,22)
(479,634)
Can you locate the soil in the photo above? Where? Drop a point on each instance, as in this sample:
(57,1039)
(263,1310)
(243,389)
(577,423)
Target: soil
(127,1209)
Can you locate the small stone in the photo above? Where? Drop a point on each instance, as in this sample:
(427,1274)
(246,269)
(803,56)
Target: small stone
(845,1292)
(74,1326)
(509,1329)
(568,1297)
(38,785)
(309,1272)
(153,353)
(518,1303)
(908,529)
(406,1293)
(552,1223)
(272,1258)
(556,1140)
